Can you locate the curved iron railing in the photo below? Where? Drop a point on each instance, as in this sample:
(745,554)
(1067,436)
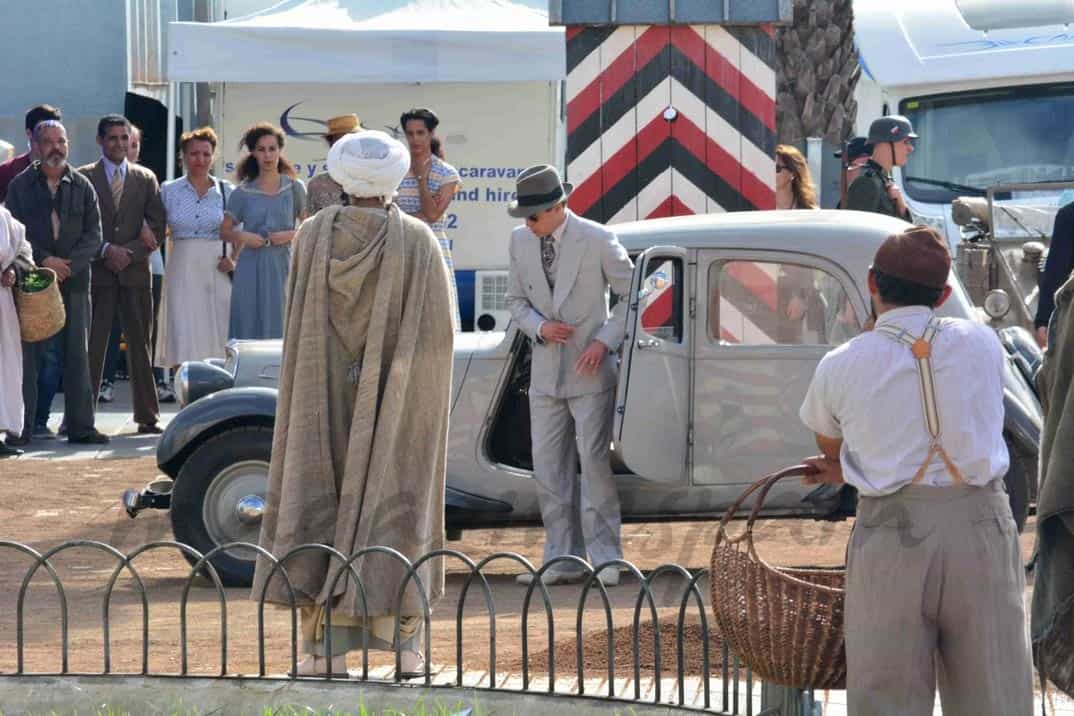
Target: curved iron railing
(732,700)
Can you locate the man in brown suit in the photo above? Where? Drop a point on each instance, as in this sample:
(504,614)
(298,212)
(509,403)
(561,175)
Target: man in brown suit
(130,201)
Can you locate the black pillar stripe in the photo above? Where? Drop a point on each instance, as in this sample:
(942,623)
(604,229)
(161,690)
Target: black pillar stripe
(583,135)
(757,41)
(672,154)
(712,184)
(722,102)
(585,42)
(627,189)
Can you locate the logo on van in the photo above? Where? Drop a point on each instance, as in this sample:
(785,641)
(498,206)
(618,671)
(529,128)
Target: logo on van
(988,43)
(287,124)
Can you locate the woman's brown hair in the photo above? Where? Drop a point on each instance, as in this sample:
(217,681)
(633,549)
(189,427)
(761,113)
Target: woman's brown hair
(201,134)
(805,194)
(248,168)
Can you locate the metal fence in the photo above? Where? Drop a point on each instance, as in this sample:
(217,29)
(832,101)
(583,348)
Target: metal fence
(727,697)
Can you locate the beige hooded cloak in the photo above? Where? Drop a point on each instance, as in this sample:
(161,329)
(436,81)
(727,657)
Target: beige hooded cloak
(359,448)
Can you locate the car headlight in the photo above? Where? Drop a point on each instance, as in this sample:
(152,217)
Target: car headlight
(182,385)
(997,303)
(196,379)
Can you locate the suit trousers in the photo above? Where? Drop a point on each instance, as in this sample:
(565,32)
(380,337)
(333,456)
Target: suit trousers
(935,590)
(135,308)
(578,515)
(70,343)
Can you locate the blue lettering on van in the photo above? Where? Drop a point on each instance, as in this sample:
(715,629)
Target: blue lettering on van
(987,43)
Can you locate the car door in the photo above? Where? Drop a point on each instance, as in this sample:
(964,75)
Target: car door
(653,399)
(765,319)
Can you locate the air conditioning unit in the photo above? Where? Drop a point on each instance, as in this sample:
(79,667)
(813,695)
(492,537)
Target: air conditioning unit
(490,306)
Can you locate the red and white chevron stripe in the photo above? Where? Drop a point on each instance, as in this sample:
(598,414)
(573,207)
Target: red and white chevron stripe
(630,157)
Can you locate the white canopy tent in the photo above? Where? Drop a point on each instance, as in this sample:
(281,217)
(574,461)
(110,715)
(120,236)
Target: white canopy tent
(380,41)
(492,69)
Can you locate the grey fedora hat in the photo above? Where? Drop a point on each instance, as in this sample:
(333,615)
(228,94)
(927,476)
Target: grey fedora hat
(538,188)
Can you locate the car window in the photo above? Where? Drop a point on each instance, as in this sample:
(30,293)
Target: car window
(660,299)
(770,303)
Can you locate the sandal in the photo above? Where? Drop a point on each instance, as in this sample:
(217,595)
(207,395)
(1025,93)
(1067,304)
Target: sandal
(411,665)
(314,665)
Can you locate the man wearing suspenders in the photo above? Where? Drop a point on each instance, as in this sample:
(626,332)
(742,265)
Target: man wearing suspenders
(911,414)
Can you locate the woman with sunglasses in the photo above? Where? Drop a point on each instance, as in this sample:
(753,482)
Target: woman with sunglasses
(794,183)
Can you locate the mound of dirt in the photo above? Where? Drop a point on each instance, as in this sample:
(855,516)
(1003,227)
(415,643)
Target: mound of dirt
(595,651)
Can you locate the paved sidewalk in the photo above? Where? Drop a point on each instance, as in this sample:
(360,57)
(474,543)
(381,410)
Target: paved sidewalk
(115,419)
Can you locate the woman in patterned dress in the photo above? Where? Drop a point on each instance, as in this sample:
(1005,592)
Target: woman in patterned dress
(430,185)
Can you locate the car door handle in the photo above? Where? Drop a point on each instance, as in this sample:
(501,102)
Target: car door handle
(644,343)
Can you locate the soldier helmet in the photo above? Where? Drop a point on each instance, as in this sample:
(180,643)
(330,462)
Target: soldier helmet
(893,128)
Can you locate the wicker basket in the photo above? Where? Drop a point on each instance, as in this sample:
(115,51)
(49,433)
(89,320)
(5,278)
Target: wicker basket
(41,313)
(786,624)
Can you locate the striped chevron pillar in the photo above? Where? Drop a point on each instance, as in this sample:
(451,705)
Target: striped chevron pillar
(670,120)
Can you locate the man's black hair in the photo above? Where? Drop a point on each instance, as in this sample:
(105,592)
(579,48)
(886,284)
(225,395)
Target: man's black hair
(40,113)
(111,120)
(900,292)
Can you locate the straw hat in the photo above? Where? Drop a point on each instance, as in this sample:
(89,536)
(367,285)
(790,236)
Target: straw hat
(343,124)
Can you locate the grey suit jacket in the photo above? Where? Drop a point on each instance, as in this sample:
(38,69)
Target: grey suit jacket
(121,225)
(591,260)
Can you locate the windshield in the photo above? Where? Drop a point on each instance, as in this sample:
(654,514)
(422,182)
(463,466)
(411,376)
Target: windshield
(986,137)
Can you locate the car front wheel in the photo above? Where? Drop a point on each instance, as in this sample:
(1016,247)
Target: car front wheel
(219,497)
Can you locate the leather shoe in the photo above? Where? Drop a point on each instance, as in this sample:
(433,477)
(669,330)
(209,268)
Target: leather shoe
(94,437)
(18,440)
(153,429)
(8,451)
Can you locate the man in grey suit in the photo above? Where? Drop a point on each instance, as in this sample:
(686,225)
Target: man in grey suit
(561,268)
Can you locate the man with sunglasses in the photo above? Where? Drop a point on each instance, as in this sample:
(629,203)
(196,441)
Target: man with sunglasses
(874,189)
(561,269)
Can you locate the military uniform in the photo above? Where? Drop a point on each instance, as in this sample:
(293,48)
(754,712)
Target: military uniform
(869,192)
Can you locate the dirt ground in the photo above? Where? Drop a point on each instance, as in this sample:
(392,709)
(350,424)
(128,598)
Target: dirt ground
(46,502)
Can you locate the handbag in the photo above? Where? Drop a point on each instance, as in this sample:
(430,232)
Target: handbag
(223,244)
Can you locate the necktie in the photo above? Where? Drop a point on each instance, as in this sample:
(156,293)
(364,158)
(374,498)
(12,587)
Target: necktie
(548,258)
(117,187)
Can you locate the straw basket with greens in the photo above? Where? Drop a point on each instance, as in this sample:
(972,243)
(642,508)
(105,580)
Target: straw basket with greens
(39,305)
(785,623)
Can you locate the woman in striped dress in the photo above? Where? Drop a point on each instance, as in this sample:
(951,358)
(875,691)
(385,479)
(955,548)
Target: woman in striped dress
(430,185)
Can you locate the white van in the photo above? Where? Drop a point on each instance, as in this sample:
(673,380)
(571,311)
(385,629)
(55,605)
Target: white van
(991,106)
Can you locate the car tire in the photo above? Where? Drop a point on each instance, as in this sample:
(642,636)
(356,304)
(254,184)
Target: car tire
(204,507)
(1017,482)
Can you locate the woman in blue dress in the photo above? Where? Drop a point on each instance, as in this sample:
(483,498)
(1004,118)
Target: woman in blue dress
(259,221)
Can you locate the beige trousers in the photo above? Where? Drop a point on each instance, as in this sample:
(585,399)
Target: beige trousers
(935,591)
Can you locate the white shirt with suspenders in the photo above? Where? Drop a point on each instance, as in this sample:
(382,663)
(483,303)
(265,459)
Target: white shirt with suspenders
(871,393)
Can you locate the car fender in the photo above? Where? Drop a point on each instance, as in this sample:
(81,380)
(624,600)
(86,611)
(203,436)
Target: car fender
(205,417)
(1021,424)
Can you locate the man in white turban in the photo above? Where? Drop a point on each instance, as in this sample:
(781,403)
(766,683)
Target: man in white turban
(360,444)
(14,250)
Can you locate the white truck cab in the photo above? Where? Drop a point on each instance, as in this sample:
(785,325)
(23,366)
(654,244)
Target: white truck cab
(991,105)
